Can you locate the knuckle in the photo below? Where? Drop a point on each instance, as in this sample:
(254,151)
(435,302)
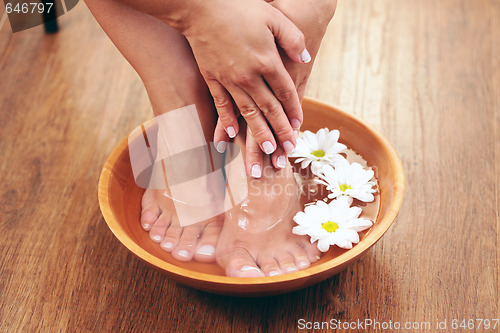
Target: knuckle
(220,102)
(285,94)
(282,132)
(270,109)
(249,112)
(242,79)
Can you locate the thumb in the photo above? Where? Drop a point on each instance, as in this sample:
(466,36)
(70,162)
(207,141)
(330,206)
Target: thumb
(289,38)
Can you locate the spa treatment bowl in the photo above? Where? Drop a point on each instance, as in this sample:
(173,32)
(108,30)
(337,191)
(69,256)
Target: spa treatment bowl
(120,201)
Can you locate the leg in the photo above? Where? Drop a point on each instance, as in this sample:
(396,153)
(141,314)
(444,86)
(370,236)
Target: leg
(164,61)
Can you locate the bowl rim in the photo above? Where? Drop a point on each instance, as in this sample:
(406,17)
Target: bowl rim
(352,254)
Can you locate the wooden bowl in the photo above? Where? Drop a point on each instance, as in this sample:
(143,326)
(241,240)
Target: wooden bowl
(120,201)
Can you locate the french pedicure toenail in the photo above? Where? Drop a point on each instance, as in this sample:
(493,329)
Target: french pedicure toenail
(231,132)
(274,273)
(288,146)
(303,264)
(167,245)
(207,250)
(318,257)
(249,268)
(146,226)
(221,146)
(183,253)
(156,238)
(267,146)
(291,269)
(281,161)
(256,171)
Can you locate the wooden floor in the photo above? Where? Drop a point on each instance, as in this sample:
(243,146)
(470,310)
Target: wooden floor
(426,73)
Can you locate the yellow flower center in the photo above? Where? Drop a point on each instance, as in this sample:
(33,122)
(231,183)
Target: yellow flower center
(344,187)
(318,153)
(330,226)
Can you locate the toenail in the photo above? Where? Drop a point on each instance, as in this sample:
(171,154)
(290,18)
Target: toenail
(168,245)
(303,264)
(273,273)
(183,253)
(249,268)
(207,250)
(156,238)
(292,269)
(146,226)
(318,257)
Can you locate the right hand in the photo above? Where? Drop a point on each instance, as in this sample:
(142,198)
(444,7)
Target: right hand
(234,43)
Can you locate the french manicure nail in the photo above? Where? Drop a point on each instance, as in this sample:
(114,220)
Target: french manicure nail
(281,161)
(305,56)
(207,250)
(183,253)
(256,171)
(288,146)
(268,148)
(231,132)
(221,146)
(295,123)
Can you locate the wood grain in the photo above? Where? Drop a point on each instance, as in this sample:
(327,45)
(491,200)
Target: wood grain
(426,73)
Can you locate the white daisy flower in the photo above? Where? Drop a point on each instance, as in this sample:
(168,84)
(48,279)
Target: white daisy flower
(330,224)
(348,180)
(318,149)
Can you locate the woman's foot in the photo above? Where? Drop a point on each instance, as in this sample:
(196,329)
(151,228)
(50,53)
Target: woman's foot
(197,241)
(256,238)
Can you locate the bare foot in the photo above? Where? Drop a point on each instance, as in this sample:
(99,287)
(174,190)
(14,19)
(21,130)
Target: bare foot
(196,241)
(256,238)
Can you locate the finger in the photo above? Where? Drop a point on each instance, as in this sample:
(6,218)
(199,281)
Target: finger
(224,105)
(255,120)
(278,158)
(220,137)
(289,37)
(273,112)
(284,89)
(254,156)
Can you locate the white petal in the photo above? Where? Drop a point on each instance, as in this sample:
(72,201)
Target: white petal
(323,245)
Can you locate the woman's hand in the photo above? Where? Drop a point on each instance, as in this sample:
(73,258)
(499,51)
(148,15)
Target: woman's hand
(312,17)
(234,43)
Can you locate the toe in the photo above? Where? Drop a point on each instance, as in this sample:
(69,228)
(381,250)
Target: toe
(312,251)
(239,263)
(269,266)
(150,210)
(205,251)
(286,262)
(187,243)
(300,257)
(172,237)
(159,228)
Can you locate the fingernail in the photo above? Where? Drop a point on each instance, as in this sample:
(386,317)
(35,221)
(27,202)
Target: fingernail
(295,123)
(292,269)
(281,161)
(268,148)
(249,268)
(288,146)
(221,146)
(305,56)
(207,250)
(156,238)
(167,245)
(183,253)
(274,273)
(256,171)
(296,133)
(231,132)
